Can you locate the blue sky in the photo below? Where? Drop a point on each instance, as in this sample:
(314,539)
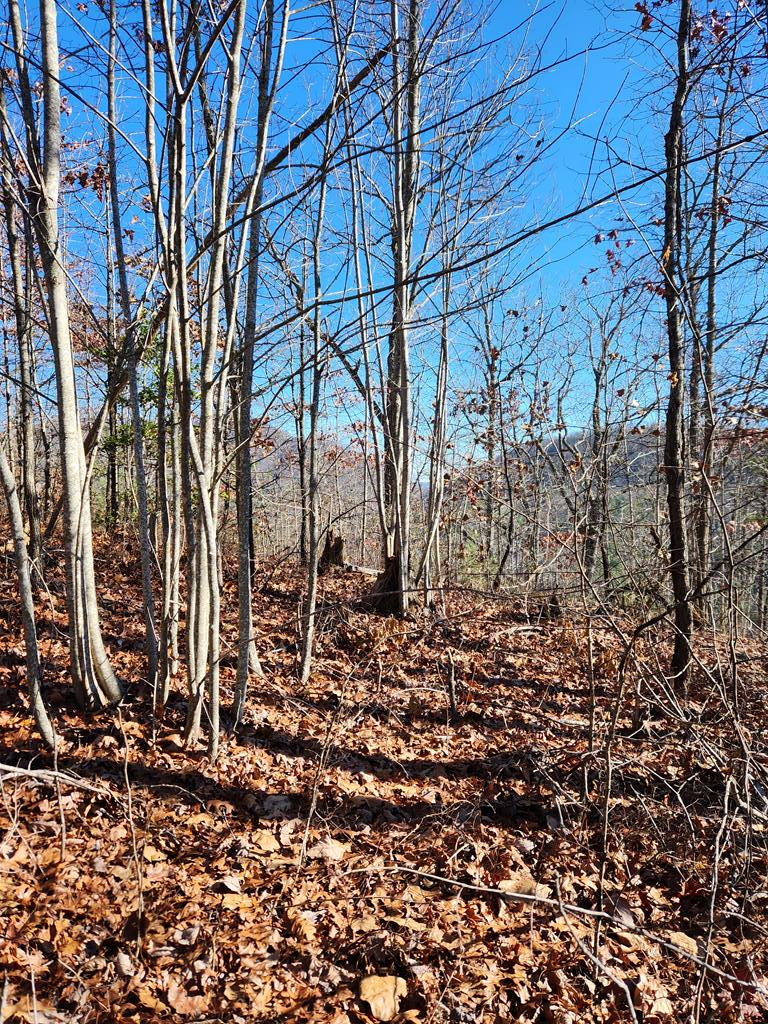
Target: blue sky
(593,93)
(584,92)
(586,99)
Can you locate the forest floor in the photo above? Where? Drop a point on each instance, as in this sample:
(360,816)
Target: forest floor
(354,828)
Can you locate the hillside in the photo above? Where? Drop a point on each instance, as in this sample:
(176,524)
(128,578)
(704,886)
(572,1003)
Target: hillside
(356,828)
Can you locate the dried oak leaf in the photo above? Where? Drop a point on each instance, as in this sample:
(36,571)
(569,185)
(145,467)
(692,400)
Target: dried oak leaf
(153,855)
(147,997)
(366,923)
(522,883)
(383,995)
(328,849)
(685,942)
(303,924)
(236,901)
(186,1005)
(264,841)
(228,883)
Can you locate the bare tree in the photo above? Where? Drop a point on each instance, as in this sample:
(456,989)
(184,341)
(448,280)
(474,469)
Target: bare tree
(674,460)
(21,260)
(34,671)
(94,680)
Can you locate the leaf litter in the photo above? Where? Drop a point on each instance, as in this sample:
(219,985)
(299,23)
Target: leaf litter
(357,854)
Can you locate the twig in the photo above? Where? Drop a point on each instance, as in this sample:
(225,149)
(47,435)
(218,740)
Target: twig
(451,685)
(566,908)
(46,776)
(132,828)
(62,817)
(325,754)
(598,963)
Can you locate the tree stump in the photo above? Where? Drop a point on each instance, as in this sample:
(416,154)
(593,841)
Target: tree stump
(333,553)
(383,595)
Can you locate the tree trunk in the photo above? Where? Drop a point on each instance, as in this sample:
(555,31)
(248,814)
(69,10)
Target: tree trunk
(247,657)
(674,459)
(34,672)
(22,299)
(129,325)
(406,100)
(93,678)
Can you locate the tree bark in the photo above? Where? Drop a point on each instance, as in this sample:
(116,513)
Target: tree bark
(674,459)
(34,671)
(406,111)
(22,298)
(94,680)
(129,325)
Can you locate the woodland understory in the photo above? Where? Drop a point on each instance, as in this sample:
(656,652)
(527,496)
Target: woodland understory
(383,511)
(549,850)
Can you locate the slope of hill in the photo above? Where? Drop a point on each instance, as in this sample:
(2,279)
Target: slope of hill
(527,857)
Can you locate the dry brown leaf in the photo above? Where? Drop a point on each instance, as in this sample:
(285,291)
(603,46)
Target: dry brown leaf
(339,1017)
(124,965)
(685,942)
(329,849)
(367,923)
(186,1005)
(661,1007)
(186,936)
(148,998)
(522,883)
(236,901)
(153,855)
(406,922)
(265,842)
(383,995)
(652,996)
(619,906)
(229,883)
(303,924)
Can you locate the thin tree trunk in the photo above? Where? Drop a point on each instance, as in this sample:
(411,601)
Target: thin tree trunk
(674,460)
(93,678)
(247,658)
(129,325)
(406,98)
(34,671)
(22,299)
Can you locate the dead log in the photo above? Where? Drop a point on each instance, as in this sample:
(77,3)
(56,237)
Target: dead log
(364,570)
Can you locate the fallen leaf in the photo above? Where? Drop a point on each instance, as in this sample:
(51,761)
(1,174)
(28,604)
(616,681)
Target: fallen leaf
(328,849)
(186,936)
(383,995)
(124,965)
(186,1005)
(265,842)
(406,922)
(153,855)
(303,924)
(367,923)
(685,942)
(148,998)
(522,883)
(229,883)
(236,901)
(619,906)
